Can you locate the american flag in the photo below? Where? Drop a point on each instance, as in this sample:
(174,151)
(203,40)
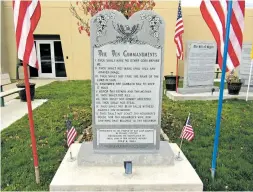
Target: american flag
(71,133)
(26,17)
(187,132)
(178,33)
(215,14)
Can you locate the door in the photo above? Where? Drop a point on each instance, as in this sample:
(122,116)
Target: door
(46,60)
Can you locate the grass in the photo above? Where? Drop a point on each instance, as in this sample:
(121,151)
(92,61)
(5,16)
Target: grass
(17,165)
(234,163)
(235,158)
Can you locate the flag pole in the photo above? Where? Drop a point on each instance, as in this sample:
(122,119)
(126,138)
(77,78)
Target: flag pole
(181,143)
(71,158)
(70,152)
(178,156)
(249,79)
(218,118)
(177,76)
(32,132)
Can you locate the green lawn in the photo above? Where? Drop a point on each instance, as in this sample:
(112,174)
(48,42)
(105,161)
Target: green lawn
(234,164)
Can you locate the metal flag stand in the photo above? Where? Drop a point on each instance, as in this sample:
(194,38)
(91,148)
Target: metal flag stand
(178,156)
(71,158)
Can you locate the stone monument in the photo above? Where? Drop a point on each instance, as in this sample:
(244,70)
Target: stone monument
(244,67)
(126,153)
(127,68)
(199,67)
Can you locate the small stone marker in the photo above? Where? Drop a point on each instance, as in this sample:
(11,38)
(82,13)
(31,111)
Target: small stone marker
(244,68)
(199,67)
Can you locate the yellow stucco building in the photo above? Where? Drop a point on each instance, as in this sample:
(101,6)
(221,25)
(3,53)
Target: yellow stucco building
(57,35)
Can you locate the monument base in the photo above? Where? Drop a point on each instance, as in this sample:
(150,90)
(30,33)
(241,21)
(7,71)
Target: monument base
(179,177)
(198,90)
(206,96)
(244,88)
(88,157)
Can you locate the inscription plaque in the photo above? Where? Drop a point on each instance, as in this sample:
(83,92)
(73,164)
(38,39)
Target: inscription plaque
(200,64)
(127,87)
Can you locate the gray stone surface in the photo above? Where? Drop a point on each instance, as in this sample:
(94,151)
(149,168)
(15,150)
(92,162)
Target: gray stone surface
(127,63)
(245,88)
(88,157)
(245,64)
(199,66)
(71,177)
(198,90)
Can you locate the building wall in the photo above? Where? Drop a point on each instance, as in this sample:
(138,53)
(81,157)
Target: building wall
(57,19)
(4,64)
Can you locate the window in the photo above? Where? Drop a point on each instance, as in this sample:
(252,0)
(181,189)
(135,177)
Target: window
(59,60)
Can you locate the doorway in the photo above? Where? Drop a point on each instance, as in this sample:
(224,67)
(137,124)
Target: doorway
(50,59)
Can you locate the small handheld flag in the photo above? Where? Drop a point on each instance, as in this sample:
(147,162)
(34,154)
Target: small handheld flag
(187,132)
(71,133)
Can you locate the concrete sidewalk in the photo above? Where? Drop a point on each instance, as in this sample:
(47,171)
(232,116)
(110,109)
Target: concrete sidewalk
(38,82)
(14,109)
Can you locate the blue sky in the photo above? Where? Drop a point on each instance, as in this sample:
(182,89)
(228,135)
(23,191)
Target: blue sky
(249,3)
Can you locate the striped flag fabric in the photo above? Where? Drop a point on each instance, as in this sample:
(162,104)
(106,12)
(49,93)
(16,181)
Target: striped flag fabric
(215,15)
(71,135)
(178,39)
(26,17)
(187,132)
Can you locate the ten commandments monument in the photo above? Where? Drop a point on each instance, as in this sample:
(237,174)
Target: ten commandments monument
(127,68)
(127,64)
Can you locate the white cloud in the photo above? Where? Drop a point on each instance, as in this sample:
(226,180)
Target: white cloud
(194,3)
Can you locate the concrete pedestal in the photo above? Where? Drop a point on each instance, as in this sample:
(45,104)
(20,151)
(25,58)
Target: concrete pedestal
(190,90)
(206,96)
(245,89)
(88,157)
(177,177)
